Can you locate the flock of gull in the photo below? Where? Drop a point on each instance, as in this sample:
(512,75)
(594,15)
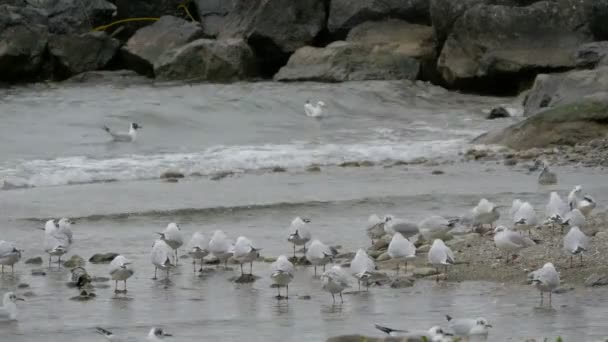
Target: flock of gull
(570,213)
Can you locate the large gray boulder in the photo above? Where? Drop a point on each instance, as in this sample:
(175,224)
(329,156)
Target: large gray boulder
(493,40)
(212,14)
(275,28)
(144,9)
(75,16)
(568,124)
(591,55)
(343,61)
(551,90)
(207,59)
(23,41)
(143,50)
(346,14)
(74,54)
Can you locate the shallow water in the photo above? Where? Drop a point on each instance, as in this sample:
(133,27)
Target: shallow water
(53,144)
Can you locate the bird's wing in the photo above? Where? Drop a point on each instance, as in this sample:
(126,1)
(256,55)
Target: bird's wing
(461,327)
(6,248)
(519,240)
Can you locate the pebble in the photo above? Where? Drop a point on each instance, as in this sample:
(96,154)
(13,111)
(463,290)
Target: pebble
(23,286)
(269,259)
(383,257)
(29,294)
(171,174)
(425,271)
(102,258)
(437,172)
(34,261)
(596,280)
(402,282)
(38,273)
(74,261)
(305,297)
(100,279)
(313,168)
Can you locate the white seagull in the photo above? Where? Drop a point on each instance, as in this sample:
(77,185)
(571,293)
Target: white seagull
(396,225)
(467,327)
(440,255)
(57,238)
(129,136)
(556,209)
(314,111)
(199,248)
(525,218)
(546,279)
(161,257)
(375,227)
(515,207)
(401,250)
(485,212)
(576,242)
(120,270)
(155,335)
(319,254)
(9,255)
(434,334)
(335,280)
(361,267)
(507,240)
(282,274)
(221,247)
(299,234)
(8,311)
(244,252)
(435,227)
(172,235)
(575,219)
(586,205)
(575,196)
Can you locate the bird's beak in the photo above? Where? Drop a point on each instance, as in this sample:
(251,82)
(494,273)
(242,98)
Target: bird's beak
(21,299)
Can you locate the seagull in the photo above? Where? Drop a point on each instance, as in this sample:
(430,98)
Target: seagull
(575,196)
(57,238)
(299,234)
(172,235)
(155,334)
(362,267)
(507,240)
(161,257)
(576,242)
(546,176)
(546,279)
(515,207)
(401,250)
(586,205)
(122,136)
(375,227)
(282,274)
(120,270)
(320,254)
(9,255)
(335,280)
(575,219)
(8,311)
(199,248)
(396,225)
(440,255)
(434,334)
(221,247)
(314,111)
(556,209)
(244,252)
(435,227)
(485,212)
(466,327)
(525,217)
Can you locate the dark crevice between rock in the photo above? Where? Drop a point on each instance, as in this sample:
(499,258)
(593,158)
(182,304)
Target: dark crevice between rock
(135,63)
(324,37)
(270,58)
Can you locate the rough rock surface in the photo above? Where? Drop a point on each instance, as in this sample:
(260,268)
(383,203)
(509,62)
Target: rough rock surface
(212,14)
(341,61)
(143,9)
(144,49)
(75,16)
(490,40)
(567,124)
(550,90)
(599,18)
(591,55)
(74,54)
(102,258)
(206,59)
(346,14)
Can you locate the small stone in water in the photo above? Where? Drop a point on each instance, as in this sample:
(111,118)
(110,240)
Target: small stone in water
(34,261)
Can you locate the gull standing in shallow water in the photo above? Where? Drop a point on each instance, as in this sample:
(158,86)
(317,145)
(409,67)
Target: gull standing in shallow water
(282,274)
(401,250)
(221,247)
(8,312)
(314,111)
(244,252)
(299,235)
(556,209)
(375,227)
(335,280)
(361,267)
(199,248)
(507,240)
(434,334)
(155,334)
(161,257)
(546,279)
(485,212)
(9,255)
(467,327)
(120,270)
(440,255)
(319,254)
(576,242)
(129,136)
(172,235)
(57,238)
(525,218)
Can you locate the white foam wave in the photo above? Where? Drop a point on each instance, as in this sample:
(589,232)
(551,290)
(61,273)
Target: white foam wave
(236,159)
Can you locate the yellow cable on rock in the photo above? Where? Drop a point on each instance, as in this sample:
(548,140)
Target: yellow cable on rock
(187,11)
(121,21)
